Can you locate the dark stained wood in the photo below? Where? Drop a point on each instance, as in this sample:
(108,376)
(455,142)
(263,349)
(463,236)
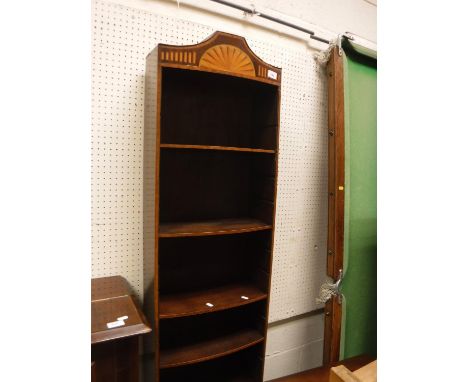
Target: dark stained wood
(116,361)
(194,302)
(336,178)
(220,148)
(232,112)
(111,299)
(217,108)
(199,338)
(212,227)
(211,348)
(155,305)
(332,331)
(109,287)
(197,185)
(321,374)
(93,372)
(336,175)
(108,310)
(327,332)
(115,351)
(242,366)
(272,114)
(205,262)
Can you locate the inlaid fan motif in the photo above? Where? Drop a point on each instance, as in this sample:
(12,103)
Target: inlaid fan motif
(227,58)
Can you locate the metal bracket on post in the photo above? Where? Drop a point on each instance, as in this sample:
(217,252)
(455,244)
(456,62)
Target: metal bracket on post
(341,36)
(336,287)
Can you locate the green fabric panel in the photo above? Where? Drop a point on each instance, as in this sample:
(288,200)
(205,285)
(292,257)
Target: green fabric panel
(359,326)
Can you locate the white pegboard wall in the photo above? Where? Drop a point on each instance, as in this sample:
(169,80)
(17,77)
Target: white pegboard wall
(122,38)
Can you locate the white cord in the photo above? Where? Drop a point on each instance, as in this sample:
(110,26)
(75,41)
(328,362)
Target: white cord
(327,291)
(323,56)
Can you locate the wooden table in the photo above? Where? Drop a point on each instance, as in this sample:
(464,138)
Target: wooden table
(322,374)
(115,350)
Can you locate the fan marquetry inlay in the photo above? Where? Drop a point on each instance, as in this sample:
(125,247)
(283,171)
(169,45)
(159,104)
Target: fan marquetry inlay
(227,58)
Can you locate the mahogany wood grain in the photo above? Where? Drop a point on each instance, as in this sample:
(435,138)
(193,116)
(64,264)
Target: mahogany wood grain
(109,287)
(108,310)
(336,178)
(214,115)
(226,111)
(116,361)
(321,374)
(336,152)
(242,366)
(197,185)
(194,302)
(336,319)
(155,302)
(192,339)
(93,372)
(219,148)
(115,351)
(211,348)
(195,69)
(212,227)
(197,263)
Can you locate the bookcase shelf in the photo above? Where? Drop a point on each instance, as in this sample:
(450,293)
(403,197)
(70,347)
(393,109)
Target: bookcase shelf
(240,366)
(211,157)
(219,298)
(193,339)
(219,148)
(212,227)
(209,349)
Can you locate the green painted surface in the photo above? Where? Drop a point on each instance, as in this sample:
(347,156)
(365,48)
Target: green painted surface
(359,326)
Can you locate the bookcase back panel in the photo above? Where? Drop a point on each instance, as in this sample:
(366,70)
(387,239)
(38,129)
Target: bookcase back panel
(187,264)
(232,111)
(207,184)
(180,331)
(224,369)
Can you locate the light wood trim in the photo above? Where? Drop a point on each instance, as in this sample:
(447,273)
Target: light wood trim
(196,68)
(221,53)
(366,373)
(342,374)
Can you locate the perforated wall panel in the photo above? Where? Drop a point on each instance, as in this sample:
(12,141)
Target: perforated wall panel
(122,38)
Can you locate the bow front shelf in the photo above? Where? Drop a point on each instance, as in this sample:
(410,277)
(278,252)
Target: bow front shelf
(212,227)
(219,298)
(211,152)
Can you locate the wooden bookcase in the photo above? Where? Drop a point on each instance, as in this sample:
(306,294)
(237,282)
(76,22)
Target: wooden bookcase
(211,152)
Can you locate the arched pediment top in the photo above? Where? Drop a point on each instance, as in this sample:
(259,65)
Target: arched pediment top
(221,52)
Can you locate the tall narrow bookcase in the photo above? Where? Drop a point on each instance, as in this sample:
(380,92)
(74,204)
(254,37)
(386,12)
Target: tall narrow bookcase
(211,153)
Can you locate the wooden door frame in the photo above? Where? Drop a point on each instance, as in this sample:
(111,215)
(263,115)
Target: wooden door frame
(336,196)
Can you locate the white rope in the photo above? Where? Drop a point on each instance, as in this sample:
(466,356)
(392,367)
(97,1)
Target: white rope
(327,291)
(323,56)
